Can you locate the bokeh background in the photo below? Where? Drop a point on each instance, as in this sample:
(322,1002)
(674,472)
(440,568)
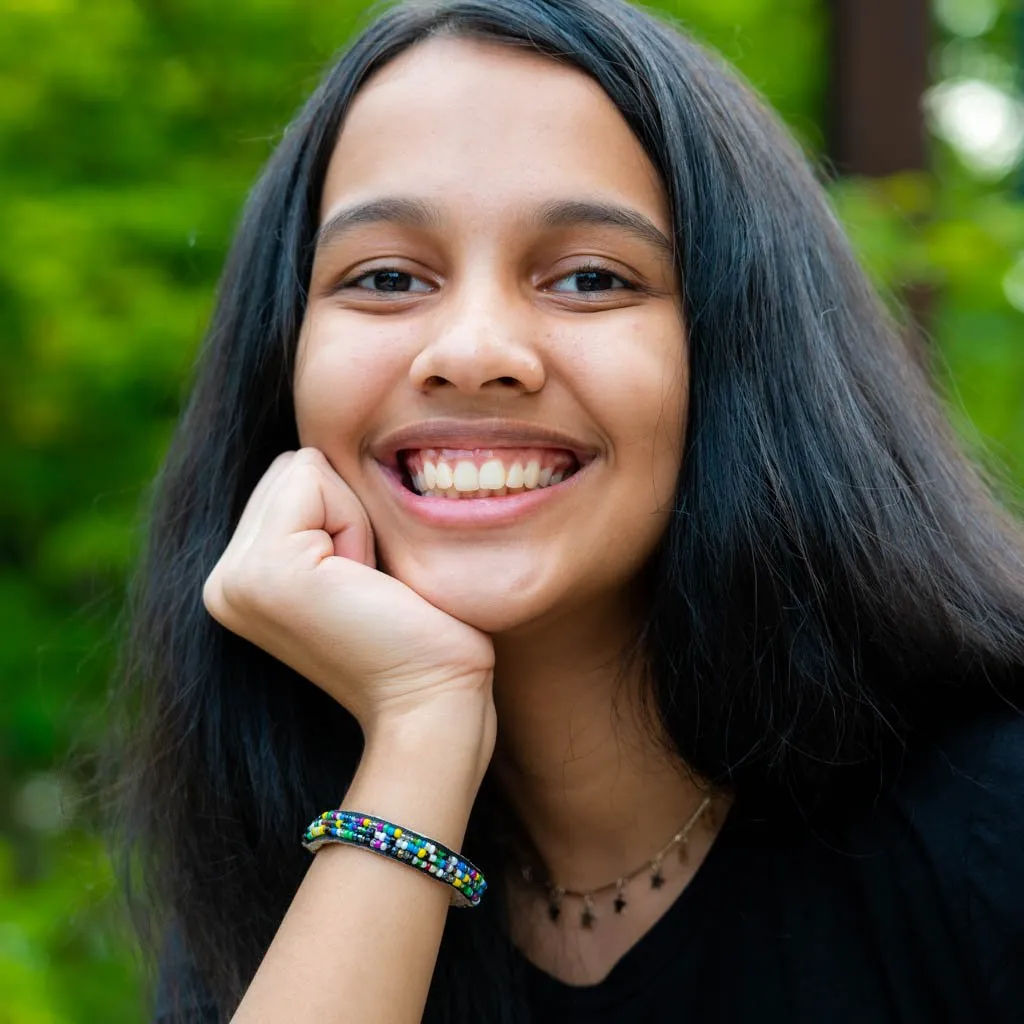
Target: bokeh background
(130,131)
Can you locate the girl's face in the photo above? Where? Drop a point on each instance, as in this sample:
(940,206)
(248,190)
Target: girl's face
(494,307)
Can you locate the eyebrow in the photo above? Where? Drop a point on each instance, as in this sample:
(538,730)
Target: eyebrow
(559,213)
(563,213)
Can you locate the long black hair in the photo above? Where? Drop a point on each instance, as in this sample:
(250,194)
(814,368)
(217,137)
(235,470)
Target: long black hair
(835,578)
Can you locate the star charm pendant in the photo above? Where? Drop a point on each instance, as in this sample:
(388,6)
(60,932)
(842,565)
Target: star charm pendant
(620,896)
(588,917)
(555,895)
(657,879)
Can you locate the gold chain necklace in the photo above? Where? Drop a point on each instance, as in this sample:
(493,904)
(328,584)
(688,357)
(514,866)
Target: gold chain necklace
(588,915)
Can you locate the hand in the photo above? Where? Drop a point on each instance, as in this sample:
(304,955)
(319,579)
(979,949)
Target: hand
(298,579)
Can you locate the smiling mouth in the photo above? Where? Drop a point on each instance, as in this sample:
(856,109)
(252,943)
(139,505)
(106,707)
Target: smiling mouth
(483,473)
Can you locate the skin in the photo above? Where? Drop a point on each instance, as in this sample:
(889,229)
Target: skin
(491,320)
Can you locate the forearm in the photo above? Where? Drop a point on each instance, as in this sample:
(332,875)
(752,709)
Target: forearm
(361,936)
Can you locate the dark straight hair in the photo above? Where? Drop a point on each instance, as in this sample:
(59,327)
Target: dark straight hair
(835,579)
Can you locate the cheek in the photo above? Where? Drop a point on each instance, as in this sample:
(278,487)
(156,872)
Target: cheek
(637,389)
(666,423)
(341,377)
(633,383)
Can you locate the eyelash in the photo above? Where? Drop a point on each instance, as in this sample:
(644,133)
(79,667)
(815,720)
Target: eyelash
(586,268)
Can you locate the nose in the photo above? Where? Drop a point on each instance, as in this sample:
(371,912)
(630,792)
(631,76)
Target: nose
(478,344)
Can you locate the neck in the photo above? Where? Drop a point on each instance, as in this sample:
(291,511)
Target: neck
(593,781)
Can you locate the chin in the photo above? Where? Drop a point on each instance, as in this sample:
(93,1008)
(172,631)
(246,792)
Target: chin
(490,614)
(487,600)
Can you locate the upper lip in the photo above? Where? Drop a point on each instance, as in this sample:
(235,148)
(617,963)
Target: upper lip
(494,433)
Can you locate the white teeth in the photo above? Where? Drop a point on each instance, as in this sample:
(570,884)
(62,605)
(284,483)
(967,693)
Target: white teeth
(444,478)
(440,479)
(492,475)
(466,477)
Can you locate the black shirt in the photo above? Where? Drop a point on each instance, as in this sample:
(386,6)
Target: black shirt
(911,913)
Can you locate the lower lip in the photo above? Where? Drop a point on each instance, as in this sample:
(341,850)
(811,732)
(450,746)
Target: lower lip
(504,510)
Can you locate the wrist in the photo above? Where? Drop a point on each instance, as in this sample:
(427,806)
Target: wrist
(451,736)
(422,771)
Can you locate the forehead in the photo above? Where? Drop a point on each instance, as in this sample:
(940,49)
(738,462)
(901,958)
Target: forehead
(478,127)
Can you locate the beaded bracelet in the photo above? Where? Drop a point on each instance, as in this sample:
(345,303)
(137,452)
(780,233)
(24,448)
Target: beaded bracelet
(396,843)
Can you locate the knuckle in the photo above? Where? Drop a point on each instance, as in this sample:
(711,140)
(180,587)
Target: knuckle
(234,589)
(310,457)
(213,595)
(239,586)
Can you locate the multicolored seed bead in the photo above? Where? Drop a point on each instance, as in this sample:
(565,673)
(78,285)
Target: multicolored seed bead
(391,840)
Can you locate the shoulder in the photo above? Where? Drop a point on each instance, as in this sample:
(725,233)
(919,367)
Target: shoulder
(980,760)
(968,780)
(959,804)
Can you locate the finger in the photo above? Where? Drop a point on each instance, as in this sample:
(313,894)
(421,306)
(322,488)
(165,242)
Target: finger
(257,503)
(310,495)
(355,541)
(345,545)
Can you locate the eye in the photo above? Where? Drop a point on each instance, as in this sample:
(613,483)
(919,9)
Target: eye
(591,279)
(387,280)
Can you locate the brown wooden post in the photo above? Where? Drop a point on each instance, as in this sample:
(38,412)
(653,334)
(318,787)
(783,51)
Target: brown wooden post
(880,52)
(879,73)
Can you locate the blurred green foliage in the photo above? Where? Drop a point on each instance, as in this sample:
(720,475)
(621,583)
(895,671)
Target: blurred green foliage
(130,131)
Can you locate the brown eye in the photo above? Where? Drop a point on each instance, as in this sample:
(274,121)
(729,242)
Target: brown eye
(591,279)
(388,280)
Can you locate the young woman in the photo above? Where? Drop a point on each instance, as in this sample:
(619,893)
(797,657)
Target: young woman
(555,491)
